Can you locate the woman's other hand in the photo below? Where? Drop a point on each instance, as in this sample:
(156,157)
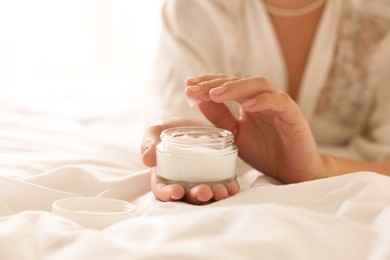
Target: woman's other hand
(271,133)
(172,192)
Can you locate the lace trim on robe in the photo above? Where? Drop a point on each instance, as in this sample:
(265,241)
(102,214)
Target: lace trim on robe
(346,95)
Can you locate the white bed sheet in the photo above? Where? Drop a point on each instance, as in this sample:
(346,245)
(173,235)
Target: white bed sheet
(48,154)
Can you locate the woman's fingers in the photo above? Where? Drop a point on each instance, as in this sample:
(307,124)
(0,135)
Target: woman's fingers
(233,188)
(254,94)
(163,191)
(241,90)
(280,103)
(203,193)
(219,192)
(220,115)
(199,92)
(148,147)
(222,88)
(201,78)
(198,195)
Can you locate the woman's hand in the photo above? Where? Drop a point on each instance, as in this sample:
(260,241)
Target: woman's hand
(271,133)
(172,192)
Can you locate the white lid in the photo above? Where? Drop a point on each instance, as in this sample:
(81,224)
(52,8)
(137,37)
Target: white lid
(92,212)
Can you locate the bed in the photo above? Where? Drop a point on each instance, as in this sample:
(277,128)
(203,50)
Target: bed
(60,146)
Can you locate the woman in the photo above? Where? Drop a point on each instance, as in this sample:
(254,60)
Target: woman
(304,73)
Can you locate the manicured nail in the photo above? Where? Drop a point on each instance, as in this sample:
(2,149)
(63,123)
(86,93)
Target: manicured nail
(218,90)
(194,80)
(250,103)
(195,88)
(146,144)
(175,197)
(203,198)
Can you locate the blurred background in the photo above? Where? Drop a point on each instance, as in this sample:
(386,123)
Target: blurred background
(82,52)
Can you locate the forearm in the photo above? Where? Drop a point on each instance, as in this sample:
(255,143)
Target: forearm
(335,165)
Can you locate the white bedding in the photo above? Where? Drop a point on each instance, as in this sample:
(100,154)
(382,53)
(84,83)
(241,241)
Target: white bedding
(48,154)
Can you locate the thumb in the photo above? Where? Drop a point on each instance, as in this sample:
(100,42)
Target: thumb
(148,151)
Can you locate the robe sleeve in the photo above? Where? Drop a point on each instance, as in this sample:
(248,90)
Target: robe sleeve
(195,39)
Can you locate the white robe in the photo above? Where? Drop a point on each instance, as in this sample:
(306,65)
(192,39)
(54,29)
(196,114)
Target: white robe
(345,89)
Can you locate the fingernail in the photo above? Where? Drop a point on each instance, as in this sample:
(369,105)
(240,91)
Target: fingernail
(218,90)
(146,144)
(175,197)
(195,88)
(250,103)
(202,199)
(194,80)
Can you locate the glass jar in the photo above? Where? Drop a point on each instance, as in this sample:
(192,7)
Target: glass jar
(196,155)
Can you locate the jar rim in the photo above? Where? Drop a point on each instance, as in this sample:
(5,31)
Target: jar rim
(217,135)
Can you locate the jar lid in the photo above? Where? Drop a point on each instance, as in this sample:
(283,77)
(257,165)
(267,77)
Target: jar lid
(93,212)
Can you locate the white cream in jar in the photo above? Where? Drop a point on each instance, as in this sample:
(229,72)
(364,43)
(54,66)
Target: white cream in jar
(196,155)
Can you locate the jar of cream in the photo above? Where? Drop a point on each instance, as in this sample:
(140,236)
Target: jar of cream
(196,155)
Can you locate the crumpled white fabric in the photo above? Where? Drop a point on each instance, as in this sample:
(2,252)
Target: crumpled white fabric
(46,156)
(346,217)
